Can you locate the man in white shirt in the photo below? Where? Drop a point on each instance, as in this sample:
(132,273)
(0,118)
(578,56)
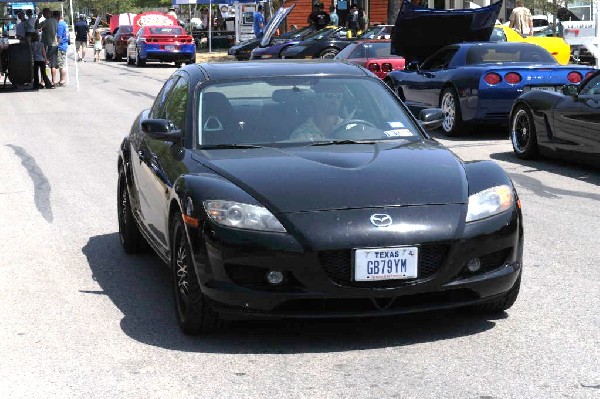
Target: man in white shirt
(521,20)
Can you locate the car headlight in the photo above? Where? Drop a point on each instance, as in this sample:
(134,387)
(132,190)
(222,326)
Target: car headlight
(242,216)
(489,202)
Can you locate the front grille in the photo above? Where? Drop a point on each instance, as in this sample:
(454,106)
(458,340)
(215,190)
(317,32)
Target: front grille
(338,266)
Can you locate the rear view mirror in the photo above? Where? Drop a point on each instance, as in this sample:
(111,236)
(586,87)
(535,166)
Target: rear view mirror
(431,118)
(161,129)
(569,90)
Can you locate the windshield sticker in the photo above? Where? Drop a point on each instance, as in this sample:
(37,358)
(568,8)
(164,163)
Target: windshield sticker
(396,125)
(398,133)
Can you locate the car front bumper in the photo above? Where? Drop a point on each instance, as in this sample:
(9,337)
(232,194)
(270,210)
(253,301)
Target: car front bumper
(318,282)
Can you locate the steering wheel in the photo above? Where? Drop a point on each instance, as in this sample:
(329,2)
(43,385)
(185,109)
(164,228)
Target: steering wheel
(339,128)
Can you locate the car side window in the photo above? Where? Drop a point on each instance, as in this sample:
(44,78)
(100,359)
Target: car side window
(498,35)
(176,104)
(439,60)
(592,87)
(158,110)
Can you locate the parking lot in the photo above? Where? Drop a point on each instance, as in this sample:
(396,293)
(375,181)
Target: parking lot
(80,318)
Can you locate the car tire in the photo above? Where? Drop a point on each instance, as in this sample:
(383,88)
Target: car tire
(109,57)
(502,303)
(329,53)
(522,133)
(139,62)
(450,105)
(194,313)
(130,61)
(129,232)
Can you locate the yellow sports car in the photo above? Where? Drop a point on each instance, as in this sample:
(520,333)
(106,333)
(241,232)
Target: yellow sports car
(555,45)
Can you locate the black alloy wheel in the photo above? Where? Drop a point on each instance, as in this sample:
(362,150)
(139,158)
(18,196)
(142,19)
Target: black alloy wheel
(329,53)
(194,314)
(129,233)
(139,62)
(522,133)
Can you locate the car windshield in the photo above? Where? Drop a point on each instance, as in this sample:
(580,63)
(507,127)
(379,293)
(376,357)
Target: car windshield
(372,50)
(377,32)
(292,110)
(320,34)
(483,54)
(166,31)
(126,29)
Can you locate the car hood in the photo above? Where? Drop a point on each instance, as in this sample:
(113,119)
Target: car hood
(273,24)
(347,176)
(419,32)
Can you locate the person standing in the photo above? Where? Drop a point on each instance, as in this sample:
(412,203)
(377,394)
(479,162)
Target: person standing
(355,21)
(319,18)
(30,26)
(333,17)
(258,21)
(48,27)
(81,37)
(521,20)
(62,35)
(21,27)
(39,63)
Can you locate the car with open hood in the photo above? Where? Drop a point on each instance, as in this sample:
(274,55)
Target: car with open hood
(555,45)
(302,189)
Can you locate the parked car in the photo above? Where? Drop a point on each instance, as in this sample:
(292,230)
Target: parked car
(122,35)
(256,217)
(161,43)
(555,45)
(564,123)
(476,83)
(108,41)
(373,55)
(324,43)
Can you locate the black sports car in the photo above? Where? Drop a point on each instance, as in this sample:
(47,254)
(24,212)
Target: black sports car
(565,123)
(295,189)
(325,43)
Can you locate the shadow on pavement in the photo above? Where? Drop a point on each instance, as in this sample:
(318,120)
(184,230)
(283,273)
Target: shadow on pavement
(140,287)
(551,165)
(476,133)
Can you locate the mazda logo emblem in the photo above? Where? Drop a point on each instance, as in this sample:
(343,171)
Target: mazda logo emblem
(381,220)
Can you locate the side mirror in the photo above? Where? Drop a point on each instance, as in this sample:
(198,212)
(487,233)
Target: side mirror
(161,129)
(569,90)
(431,118)
(412,66)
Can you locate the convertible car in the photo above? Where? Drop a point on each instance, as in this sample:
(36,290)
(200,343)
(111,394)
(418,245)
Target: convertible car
(564,123)
(476,83)
(299,189)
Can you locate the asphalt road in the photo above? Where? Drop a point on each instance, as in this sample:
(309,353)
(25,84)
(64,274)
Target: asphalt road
(80,319)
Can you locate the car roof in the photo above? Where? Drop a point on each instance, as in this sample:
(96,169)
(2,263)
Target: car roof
(275,68)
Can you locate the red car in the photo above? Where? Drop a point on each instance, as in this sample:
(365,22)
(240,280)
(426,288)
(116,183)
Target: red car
(373,55)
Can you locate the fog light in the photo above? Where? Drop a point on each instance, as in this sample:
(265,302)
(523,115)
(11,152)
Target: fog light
(473,265)
(274,277)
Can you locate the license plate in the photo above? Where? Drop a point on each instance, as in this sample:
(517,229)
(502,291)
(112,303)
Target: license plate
(543,88)
(170,48)
(396,263)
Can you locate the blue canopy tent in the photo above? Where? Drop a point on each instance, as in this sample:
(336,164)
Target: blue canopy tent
(210,3)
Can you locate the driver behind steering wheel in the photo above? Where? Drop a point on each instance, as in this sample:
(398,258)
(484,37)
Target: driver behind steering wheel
(327,107)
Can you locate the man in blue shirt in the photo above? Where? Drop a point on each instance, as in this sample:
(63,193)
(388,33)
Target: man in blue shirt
(62,35)
(259,22)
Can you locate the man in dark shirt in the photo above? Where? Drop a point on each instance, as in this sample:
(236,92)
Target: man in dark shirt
(319,18)
(81,37)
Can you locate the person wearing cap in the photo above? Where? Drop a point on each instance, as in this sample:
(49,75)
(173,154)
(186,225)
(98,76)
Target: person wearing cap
(327,107)
(319,18)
